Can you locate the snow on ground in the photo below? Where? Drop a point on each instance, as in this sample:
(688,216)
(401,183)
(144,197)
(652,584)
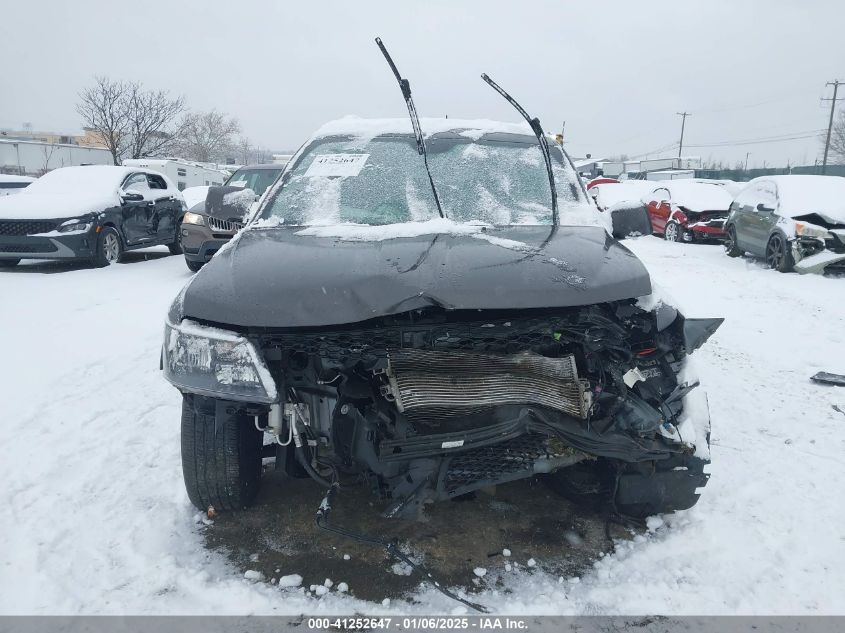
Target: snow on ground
(95,518)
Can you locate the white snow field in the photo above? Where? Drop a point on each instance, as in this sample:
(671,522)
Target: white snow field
(94,517)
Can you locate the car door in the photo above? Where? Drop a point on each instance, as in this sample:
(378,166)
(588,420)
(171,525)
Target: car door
(136,214)
(166,209)
(659,209)
(761,217)
(743,207)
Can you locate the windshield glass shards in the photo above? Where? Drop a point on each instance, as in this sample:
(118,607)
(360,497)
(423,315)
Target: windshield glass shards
(497,179)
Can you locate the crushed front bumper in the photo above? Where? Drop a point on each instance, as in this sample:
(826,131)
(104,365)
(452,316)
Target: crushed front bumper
(200,242)
(707,230)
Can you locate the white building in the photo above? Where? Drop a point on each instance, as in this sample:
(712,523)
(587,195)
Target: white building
(33,158)
(185,174)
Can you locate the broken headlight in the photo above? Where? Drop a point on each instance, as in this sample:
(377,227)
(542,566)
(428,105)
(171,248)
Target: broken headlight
(214,362)
(804,229)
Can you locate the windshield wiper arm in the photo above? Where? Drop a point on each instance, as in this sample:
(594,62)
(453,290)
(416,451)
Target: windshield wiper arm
(405,86)
(541,138)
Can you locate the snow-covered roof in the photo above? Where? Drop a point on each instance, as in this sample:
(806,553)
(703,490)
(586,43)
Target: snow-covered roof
(800,195)
(370,128)
(88,178)
(13,178)
(697,196)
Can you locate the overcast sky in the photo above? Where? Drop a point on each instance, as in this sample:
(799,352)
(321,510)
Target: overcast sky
(616,72)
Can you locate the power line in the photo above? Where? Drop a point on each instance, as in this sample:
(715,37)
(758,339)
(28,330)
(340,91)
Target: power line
(835,83)
(790,136)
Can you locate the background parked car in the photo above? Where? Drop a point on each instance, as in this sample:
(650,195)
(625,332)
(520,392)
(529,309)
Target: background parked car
(10,184)
(795,222)
(684,210)
(94,213)
(222,211)
(610,194)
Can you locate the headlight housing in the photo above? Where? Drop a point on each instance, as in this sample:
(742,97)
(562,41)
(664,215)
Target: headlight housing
(214,362)
(804,229)
(193,218)
(75,227)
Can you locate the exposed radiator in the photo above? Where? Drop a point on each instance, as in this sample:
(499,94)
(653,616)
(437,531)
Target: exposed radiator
(455,383)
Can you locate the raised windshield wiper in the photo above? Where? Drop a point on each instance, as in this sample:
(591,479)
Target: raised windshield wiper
(405,86)
(541,138)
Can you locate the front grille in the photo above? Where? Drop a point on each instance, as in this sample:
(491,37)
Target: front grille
(26,227)
(507,460)
(495,336)
(224,226)
(41,247)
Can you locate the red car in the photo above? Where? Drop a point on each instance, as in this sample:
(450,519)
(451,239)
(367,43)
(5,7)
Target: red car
(687,211)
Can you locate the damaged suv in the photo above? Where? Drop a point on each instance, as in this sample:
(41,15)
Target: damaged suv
(432,328)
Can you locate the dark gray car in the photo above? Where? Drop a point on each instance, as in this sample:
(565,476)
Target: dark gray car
(210,224)
(428,357)
(794,222)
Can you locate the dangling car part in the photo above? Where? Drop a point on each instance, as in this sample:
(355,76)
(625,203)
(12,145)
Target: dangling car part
(432,345)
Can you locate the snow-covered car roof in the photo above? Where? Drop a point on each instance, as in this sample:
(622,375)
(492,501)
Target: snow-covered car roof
(89,178)
(697,196)
(70,191)
(14,178)
(370,128)
(804,194)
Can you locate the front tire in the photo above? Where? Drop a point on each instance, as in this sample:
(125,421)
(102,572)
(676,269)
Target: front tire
(175,247)
(194,267)
(109,248)
(779,254)
(731,248)
(673,232)
(221,455)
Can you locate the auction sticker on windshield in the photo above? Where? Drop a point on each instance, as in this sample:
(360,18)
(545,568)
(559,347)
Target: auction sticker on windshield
(342,165)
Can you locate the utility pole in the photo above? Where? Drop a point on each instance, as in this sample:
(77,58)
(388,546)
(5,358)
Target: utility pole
(835,83)
(683,124)
(747,154)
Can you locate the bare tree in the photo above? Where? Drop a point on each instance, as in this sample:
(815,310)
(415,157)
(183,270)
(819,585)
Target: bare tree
(837,138)
(48,151)
(103,108)
(152,120)
(128,119)
(208,136)
(245,151)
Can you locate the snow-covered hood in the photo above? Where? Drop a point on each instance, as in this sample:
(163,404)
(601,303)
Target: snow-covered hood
(286,277)
(42,206)
(697,197)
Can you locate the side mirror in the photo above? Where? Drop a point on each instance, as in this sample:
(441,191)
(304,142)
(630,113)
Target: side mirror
(131,195)
(762,208)
(629,219)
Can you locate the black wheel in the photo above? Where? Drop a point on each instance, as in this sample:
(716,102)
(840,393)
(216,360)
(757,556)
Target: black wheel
(673,232)
(109,248)
(731,248)
(194,266)
(9,263)
(176,246)
(221,455)
(778,254)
